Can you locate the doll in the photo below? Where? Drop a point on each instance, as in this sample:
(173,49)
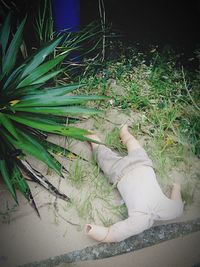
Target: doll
(136,181)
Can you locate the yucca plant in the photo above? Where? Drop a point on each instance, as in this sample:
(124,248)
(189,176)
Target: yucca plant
(29,110)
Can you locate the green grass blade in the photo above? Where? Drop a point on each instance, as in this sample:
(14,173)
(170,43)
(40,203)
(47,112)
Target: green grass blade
(13,49)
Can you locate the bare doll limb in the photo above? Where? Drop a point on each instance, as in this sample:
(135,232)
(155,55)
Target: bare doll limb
(96,138)
(176,192)
(120,230)
(128,139)
(105,157)
(131,143)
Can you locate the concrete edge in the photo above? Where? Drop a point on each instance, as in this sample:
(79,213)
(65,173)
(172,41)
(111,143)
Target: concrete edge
(148,238)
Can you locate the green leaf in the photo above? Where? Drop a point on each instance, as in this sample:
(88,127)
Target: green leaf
(23,96)
(34,148)
(45,101)
(56,149)
(69,131)
(20,181)
(59,91)
(43,118)
(47,77)
(6,122)
(7,178)
(41,70)
(11,80)
(31,146)
(32,90)
(59,111)
(4,34)
(40,56)
(23,186)
(11,54)
(29,90)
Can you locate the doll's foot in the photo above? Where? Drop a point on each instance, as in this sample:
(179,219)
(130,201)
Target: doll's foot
(176,192)
(124,134)
(128,139)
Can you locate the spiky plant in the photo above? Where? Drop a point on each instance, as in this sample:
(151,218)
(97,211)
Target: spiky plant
(29,110)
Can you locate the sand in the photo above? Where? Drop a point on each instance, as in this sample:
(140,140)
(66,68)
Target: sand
(25,238)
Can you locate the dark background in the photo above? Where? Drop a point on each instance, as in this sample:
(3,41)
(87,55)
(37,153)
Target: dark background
(173,23)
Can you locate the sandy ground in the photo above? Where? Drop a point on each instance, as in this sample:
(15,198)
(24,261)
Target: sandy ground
(26,238)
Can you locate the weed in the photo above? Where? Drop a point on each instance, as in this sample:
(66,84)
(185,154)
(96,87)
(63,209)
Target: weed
(169,123)
(187,194)
(103,189)
(77,173)
(120,211)
(113,141)
(84,208)
(105,220)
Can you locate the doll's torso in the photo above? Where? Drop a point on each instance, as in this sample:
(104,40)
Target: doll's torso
(141,193)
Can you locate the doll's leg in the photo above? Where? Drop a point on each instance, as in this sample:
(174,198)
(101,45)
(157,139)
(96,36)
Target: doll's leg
(106,159)
(96,138)
(128,139)
(176,192)
(170,209)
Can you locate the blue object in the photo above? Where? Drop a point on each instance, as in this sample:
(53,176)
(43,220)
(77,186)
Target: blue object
(66,15)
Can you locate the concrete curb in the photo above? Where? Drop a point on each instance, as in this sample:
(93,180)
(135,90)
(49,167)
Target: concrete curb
(148,238)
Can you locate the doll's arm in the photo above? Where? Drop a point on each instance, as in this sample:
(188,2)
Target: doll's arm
(120,230)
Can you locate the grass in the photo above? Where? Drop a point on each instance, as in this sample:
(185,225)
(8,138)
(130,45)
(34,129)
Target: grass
(91,202)
(188,194)
(84,208)
(168,99)
(77,173)
(169,125)
(113,141)
(105,220)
